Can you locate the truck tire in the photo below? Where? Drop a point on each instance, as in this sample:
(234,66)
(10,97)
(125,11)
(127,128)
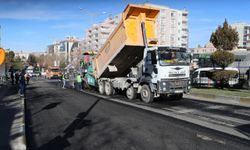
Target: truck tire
(108,88)
(146,95)
(131,93)
(101,87)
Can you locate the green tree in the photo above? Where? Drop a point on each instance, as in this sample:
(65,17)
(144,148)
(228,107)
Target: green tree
(18,64)
(10,56)
(225,38)
(62,65)
(222,58)
(32,59)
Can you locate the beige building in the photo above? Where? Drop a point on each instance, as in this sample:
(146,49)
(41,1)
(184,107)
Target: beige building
(243,30)
(207,49)
(172,26)
(63,50)
(172,29)
(23,55)
(97,35)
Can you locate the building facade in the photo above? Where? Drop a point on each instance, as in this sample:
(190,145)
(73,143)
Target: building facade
(172,26)
(172,29)
(243,30)
(97,35)
(63,50)
(23,55)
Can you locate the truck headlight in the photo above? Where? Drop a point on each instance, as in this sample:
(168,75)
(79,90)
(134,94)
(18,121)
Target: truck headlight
(164,83)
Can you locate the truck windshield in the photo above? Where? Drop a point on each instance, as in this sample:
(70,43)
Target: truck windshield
(167,57)
(55,70)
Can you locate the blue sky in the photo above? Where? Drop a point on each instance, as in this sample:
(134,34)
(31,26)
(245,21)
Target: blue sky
(31,25)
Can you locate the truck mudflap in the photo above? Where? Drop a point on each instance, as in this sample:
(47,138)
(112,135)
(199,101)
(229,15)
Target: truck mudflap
(174,86)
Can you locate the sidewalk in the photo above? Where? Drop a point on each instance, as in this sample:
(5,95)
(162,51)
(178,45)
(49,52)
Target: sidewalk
(12,126)
(228,100)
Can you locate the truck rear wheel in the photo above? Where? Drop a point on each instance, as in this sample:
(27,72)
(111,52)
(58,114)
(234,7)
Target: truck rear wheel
(101,87)
(131,93)
(108,88)
(146,94)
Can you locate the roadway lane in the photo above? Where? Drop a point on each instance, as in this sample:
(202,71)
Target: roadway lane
(66,119)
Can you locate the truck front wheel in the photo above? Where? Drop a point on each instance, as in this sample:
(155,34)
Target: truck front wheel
(146,94)
(101,87)
(108,88)
(131,93)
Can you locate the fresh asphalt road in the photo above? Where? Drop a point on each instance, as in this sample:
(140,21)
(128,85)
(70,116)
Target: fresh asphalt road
(67,119)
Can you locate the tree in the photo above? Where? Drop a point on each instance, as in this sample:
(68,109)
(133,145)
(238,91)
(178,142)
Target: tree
(32,59)
(225,37)
(222,58)
(10,56)
(62,65)
(18,63)
(41,60)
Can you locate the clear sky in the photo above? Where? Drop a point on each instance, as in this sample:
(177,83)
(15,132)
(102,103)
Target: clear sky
(31,25)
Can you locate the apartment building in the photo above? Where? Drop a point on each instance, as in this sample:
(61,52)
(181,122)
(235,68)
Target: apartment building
(97,35)
(172,26)
(172,29)
(23,55)
(63,49)
(243,30)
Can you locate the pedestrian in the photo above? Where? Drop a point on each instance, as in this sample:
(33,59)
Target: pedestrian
(79,82)
(22,84)
(64,80)
(27,78)
(12,76)
(17,77)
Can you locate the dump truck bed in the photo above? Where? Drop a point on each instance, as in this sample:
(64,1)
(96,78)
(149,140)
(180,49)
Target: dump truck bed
(124,48)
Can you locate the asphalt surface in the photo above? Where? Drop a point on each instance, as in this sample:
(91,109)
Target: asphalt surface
(67,119)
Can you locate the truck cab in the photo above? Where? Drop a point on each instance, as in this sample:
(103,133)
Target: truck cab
(165,71)
(53,73)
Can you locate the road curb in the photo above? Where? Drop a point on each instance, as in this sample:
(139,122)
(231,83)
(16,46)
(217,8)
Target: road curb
(18,128)
(207,125)
(17,136)
(227,100)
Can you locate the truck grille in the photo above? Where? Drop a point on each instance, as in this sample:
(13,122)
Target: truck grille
(171,86)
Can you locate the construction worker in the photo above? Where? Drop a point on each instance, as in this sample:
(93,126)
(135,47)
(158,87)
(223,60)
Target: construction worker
(64,80)
(79,82)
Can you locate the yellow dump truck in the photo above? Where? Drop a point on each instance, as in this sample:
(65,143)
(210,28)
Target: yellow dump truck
(2,56)
(53,72)
(131,60)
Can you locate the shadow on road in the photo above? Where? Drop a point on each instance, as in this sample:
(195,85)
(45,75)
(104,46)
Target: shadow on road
(61,142)
(47,107)
(245,129)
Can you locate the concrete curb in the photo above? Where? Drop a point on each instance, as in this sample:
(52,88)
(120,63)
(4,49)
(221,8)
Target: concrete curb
(17,136)
(18,128)
(227,100)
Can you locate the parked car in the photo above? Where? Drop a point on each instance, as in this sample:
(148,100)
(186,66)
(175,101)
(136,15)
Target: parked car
(202,77)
